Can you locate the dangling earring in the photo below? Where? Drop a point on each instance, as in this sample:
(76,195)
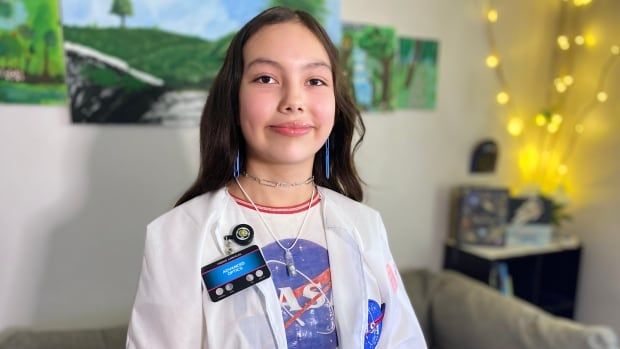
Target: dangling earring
(237,166)
(327,169)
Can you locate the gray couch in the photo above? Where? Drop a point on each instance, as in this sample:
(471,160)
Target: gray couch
(455,312)
(109,338)
(458,312)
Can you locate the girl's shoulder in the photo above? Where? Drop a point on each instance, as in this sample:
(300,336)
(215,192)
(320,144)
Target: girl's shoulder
(344,213)
(337,200)
(195,211)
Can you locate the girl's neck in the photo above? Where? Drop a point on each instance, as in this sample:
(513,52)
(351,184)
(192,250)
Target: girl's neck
(266,195)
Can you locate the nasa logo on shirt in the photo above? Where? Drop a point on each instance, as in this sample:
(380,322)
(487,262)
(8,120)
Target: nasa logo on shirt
(305,299)
(375,324)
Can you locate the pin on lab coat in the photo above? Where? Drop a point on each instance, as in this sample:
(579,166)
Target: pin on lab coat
(172,308)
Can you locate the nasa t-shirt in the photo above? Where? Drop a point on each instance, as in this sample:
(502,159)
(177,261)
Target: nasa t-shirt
(306,298)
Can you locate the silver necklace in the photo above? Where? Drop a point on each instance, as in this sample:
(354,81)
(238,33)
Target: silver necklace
(288,255)
(275,184)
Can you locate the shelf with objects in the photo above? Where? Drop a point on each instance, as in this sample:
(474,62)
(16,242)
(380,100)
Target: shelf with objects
(546,277)
(508,243)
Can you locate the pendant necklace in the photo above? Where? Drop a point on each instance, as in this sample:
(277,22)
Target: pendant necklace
(288,255)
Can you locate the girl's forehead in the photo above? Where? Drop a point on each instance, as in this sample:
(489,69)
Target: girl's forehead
(287,42)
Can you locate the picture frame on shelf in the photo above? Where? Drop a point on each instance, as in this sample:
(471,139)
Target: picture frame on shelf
(479,215)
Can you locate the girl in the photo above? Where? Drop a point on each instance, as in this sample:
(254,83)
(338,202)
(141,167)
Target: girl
(270,247)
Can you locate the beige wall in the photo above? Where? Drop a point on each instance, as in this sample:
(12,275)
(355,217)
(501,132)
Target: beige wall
(596,169)
(592,184)
(75,199)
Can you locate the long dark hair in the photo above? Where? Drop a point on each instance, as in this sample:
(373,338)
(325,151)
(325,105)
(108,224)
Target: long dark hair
(220,133)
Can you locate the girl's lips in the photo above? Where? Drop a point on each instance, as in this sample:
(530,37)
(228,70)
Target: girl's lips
(291,129)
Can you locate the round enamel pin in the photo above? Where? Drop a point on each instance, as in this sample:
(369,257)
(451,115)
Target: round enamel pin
(243,234)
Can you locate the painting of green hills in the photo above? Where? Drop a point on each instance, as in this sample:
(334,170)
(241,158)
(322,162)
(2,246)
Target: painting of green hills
(153,61)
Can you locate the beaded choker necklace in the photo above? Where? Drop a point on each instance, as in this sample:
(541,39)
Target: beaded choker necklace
(275,184)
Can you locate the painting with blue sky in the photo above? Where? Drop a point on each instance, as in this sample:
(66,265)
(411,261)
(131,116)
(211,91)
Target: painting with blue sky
(368,55)
(387,72)
(152,61)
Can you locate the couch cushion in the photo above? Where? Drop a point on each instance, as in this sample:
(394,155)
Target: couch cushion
(112,338)
(469,315)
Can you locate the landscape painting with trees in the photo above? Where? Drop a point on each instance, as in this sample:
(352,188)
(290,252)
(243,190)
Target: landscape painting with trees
(31,56)
(385,72)
(152,61)
(368,54)
(415,75)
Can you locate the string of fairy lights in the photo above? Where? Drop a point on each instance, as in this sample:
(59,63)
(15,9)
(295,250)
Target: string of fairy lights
(554,121)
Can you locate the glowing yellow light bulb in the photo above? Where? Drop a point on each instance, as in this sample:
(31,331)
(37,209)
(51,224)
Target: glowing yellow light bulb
(541,120)
(502,97)
(492,61)
(562,169)
(582,2)
(492,15)
(590,40)
(563,42)
(601,96)
(556,119)
(579,128)
(515,126)
(553,127)
(560,87)
(528,159)
(579,40)
(568,80)
(615,50)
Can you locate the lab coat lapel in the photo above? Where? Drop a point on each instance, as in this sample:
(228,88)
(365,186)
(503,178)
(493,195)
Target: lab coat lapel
(266,289)
(271,303)
(346,267)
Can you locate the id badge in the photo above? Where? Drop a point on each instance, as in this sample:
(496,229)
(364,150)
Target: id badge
(234,273)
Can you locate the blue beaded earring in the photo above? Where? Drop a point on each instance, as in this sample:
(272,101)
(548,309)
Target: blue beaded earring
(237,166)
(327,169)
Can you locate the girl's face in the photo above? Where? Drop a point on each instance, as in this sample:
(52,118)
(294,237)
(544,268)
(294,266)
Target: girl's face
(286,97)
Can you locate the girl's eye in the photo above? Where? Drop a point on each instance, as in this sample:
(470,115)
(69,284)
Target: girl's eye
(316,82)
(265,79)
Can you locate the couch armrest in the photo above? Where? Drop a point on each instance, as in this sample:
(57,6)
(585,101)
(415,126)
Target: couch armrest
(468,314)
(419,285)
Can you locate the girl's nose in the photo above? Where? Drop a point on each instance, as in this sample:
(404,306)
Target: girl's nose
(292,100)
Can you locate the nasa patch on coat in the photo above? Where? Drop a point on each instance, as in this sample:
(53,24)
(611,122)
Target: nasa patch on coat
(375,324)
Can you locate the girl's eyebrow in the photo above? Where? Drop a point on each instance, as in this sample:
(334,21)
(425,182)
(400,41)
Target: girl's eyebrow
(279,66)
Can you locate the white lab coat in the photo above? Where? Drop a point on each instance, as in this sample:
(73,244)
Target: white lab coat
(172,309)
